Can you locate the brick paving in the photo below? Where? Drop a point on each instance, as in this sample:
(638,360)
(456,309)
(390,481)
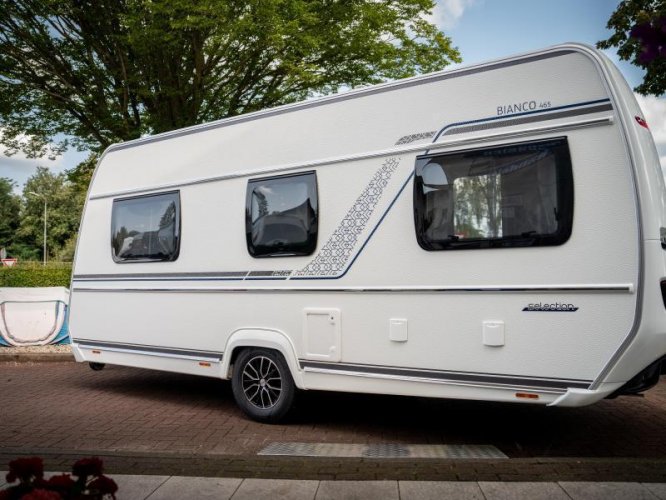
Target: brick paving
(143,421)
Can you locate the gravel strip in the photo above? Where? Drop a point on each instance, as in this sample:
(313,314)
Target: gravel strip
(40,349)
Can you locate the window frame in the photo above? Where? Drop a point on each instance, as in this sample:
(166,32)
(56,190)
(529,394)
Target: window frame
(177,231)
(313,229)
(564,193)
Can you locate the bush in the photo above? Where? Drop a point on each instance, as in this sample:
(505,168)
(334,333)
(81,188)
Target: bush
(33,274)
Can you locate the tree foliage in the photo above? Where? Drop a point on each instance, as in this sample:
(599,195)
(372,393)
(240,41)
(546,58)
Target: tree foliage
(63,210)
(640,35)
(10,206)
(102,71)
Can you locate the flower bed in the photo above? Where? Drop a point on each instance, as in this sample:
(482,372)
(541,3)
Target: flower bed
(86,481)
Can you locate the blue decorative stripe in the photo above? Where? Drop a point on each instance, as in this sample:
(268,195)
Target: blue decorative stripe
(174,277)
(267,278)
(516,115)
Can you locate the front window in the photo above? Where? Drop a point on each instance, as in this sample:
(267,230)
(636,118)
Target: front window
(507,196)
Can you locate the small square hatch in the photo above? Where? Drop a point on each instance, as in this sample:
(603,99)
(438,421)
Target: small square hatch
(398,330)
(493,333)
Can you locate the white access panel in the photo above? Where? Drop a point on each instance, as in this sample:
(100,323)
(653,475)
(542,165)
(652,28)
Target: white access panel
(321,334)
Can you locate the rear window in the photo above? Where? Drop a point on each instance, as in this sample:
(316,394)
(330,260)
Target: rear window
(146,228)
(509,196)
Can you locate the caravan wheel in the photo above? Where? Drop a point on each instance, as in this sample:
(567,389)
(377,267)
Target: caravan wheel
(262,385)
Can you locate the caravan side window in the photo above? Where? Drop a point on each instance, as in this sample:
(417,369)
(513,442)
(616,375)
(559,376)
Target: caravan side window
(146,228)
(509,196)
(281,215)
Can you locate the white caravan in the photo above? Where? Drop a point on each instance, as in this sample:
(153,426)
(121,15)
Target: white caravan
(494,232)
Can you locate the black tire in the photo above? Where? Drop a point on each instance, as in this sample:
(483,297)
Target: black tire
(96,366)
(262,385)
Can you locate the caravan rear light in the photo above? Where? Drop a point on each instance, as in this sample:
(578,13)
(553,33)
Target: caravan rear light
(663,291)
(527,395)
(204,364)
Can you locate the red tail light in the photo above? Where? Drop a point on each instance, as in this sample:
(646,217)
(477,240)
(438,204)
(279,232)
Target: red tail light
(641,122)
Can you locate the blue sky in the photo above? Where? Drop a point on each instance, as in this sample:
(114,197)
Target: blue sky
(490,29)
(482,30)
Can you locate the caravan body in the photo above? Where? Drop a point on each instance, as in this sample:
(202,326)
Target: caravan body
(493,232)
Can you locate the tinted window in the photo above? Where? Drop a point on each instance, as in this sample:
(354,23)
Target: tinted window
(515,195)
(146,228)
(281,215)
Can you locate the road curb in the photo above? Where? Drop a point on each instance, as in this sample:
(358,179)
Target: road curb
(35,357)
(318,468)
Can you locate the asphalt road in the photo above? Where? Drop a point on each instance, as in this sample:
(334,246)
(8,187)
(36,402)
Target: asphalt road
(66,408)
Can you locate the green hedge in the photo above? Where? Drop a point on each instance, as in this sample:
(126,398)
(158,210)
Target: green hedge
(32,275)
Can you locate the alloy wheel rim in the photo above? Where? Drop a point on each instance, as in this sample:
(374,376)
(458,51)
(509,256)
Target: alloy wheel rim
(262,383)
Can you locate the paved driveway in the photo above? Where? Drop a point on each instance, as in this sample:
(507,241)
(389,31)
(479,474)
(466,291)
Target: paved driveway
(67,406)
(55,409)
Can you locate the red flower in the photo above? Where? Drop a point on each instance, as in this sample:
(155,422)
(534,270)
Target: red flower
(104,486)
(63,482)
(25,469)
(88,467)
(41,495)
(33,486)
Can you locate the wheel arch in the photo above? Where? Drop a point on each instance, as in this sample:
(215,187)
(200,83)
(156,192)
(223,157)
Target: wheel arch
(267,339)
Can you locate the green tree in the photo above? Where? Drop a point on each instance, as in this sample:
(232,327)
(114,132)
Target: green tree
(102,71)
(10,206)
(478,206)
(78,179)
(80,176)
(63,213)
(640,35)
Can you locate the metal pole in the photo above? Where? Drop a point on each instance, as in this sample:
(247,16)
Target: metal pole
(44,230)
